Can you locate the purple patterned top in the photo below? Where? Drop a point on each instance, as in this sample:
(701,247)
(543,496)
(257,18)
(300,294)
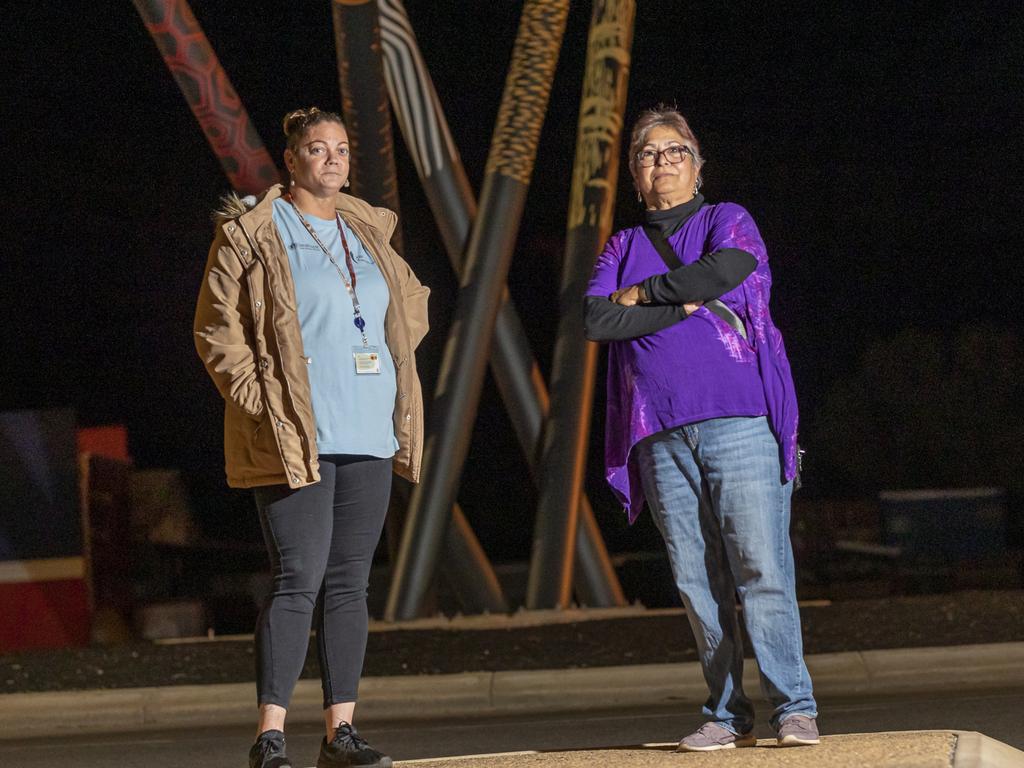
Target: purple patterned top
(699,368)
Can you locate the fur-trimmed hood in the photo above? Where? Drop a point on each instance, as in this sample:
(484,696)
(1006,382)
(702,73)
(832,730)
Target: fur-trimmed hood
(232,206)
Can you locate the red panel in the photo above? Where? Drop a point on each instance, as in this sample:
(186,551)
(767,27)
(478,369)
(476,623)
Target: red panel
(44,614)
(110,441)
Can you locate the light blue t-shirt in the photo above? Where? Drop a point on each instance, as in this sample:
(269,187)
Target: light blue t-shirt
(353,412)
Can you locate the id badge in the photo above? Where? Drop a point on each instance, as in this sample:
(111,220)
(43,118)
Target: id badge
(367,360)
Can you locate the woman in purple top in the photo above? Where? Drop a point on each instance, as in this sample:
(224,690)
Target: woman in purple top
(702,422)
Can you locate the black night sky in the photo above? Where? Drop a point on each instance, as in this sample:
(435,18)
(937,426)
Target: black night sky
(878,146)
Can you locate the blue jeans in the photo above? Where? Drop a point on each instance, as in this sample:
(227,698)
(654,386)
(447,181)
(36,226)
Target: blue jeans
(716,494)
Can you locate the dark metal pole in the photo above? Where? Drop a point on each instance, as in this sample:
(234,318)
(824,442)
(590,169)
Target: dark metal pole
(595,579)
(488,256)
(364,100)
(451,199)
(209,93)
(592,200)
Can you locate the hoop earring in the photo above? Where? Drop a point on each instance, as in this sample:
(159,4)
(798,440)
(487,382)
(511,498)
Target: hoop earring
(346,183)
(639,197)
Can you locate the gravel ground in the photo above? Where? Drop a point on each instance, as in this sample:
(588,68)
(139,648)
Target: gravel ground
(901,622)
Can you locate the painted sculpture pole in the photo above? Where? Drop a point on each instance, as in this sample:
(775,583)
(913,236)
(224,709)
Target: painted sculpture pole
(425,131)
(591,202)
(364,105)
(488,256)
(372,174)
(364,101)
(209,93)
(451,199)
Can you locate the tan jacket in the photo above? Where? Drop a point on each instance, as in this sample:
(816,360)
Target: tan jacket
(247,334)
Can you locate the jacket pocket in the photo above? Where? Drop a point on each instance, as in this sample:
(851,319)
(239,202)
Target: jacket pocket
(264,456)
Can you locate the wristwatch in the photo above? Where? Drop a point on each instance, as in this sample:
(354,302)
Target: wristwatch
(642,297)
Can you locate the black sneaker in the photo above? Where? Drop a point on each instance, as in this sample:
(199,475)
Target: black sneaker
(268,751)
(348,748)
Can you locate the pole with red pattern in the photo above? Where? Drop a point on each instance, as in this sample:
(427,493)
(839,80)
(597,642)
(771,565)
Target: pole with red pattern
(209,93)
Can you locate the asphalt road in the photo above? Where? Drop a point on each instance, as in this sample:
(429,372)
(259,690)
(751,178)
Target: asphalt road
(997,714)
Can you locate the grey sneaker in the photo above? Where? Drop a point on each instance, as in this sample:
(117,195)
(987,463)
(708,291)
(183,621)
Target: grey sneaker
(712,736)
(798,731)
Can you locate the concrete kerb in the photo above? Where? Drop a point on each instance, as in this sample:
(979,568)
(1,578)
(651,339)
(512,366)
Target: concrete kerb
(976,750)
(471,694)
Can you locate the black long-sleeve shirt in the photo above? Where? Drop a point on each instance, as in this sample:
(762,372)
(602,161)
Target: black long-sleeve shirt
(707,278)
(604,320)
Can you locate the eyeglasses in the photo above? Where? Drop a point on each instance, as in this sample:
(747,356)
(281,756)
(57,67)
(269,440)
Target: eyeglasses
(675,154)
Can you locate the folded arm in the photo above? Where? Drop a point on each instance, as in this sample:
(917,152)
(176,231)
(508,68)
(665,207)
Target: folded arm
(707,278)
(604,320)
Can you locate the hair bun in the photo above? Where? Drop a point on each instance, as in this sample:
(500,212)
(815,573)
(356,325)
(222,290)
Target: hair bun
(297,120)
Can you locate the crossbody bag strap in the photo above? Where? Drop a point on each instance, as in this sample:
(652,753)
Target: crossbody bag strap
(671,259)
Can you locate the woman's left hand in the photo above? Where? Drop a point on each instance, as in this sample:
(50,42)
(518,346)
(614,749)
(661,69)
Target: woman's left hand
(627,297)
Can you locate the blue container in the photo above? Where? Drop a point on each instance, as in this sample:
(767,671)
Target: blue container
(39,516)
(951,525)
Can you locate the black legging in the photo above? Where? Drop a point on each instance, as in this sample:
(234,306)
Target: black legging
(321,540)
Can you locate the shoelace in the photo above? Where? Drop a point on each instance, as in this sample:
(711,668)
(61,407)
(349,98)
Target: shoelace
(345,735)
(271,746)
(710,730)
(799,723)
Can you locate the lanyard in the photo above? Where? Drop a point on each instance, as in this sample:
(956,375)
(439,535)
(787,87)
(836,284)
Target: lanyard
(350,285)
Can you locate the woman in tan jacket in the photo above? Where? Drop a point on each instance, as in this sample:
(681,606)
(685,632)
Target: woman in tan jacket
(307,321)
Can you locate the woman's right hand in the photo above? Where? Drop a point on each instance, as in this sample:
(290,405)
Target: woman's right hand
(693,307)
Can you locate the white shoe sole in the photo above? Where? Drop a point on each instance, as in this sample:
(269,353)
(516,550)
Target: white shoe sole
(742,742)
(796,741)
